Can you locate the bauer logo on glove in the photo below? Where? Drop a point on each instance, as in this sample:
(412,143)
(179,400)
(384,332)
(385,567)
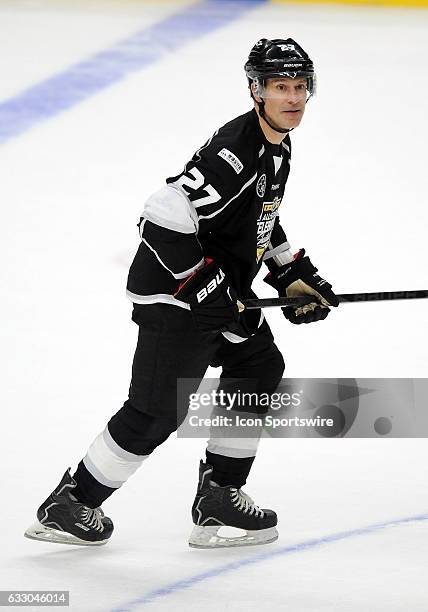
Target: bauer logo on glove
(212,286)
(213,302)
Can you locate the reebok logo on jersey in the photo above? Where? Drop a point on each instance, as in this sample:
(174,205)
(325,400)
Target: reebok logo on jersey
(212,286)
(231,159)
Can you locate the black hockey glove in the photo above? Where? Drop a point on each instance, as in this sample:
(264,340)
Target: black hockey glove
(300,278)
(213,302)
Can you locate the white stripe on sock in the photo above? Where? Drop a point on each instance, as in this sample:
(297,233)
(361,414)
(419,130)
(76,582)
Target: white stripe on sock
(109,463)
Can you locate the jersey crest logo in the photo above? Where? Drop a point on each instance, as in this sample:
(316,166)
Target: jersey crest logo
(261,186)
(265,224)
(231,159)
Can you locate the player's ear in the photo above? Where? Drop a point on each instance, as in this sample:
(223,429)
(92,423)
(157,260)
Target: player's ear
(253,87)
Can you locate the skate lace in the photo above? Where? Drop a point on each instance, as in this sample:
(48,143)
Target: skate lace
(92,517)
(243,502)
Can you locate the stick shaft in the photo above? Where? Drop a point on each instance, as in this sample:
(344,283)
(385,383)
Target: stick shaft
(343,298)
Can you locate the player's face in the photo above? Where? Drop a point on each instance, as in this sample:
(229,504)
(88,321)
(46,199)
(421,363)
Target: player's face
(285,100)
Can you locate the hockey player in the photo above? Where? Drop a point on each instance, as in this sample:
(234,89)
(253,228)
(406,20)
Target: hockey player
(204,236)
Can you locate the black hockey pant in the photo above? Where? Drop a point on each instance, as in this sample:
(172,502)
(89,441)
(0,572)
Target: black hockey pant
(169,348)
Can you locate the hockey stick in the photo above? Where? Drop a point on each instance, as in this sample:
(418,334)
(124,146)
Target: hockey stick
(344,297)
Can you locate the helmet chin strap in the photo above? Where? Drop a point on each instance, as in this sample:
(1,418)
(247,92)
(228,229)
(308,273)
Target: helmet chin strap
(263,115)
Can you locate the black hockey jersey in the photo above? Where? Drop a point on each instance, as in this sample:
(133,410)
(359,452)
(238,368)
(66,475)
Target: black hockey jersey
(224,205)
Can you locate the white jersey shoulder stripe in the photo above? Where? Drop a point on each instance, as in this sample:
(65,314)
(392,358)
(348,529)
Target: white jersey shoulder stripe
(156,298)
(198,152)
(179,275)
(247,184)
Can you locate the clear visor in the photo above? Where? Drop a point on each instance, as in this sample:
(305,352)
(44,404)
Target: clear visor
(284,87)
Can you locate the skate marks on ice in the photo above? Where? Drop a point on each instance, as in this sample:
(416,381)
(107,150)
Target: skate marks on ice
(87,78)
(282,551)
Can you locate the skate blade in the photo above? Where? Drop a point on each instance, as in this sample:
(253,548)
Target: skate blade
(208,537)
(37,531)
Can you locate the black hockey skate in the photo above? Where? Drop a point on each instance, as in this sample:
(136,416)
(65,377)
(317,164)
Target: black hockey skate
(216,508)
(63,519)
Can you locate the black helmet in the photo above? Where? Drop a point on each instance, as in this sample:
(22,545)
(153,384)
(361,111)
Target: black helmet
(279,58)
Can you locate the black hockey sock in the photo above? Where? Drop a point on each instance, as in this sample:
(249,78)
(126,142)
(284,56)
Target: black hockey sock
(89,491)
(229,471)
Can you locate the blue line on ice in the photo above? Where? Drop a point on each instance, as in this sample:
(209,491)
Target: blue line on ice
(87,78)
(187,583)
